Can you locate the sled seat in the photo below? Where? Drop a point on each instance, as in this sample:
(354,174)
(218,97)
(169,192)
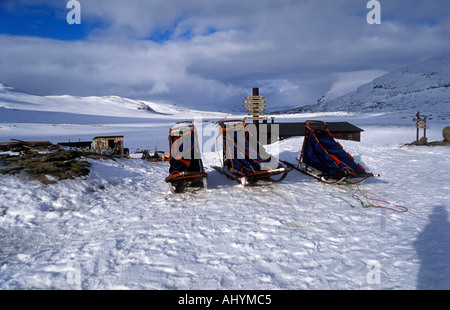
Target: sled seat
(245,159)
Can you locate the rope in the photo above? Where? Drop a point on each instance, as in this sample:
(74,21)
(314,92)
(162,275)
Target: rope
(350,193)
(367,204)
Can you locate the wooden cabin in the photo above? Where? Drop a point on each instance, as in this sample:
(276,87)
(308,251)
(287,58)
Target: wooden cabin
(112,145)
(340,130)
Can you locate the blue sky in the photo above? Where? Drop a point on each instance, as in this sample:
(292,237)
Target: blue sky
(211,53)
(41,21)
(48,20)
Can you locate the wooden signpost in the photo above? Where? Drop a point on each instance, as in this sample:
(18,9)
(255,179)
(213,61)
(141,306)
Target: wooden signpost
(255,106)
(421,123)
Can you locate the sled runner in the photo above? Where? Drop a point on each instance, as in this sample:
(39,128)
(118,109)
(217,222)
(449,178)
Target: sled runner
(244,159)
(186,167)
(323,158)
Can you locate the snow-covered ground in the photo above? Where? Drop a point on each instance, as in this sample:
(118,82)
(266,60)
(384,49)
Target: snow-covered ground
(120,228)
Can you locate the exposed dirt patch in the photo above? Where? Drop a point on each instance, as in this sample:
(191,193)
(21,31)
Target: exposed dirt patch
(48,167)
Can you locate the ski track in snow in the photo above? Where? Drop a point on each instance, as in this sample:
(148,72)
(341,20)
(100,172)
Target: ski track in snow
(120,228)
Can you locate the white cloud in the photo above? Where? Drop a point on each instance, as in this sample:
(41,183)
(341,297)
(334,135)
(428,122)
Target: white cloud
(214,52)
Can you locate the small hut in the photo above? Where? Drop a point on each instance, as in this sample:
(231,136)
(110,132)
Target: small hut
(112,145)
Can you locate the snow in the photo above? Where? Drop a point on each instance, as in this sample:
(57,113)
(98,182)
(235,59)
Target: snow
(121,228)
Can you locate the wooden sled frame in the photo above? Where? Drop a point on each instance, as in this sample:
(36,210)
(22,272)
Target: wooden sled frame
(179,181)
(356,178)
(242,177)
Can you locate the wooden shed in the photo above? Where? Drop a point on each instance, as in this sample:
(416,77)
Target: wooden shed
(340,130)
(112,145)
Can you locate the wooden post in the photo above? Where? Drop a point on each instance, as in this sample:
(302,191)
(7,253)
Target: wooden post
(425,127)
(255,121)
(417,125)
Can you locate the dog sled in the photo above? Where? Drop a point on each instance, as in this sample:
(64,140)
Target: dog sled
(186,171)
(244,159)
(323,158)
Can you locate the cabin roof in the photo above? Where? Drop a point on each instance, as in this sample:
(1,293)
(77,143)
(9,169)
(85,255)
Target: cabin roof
(107,137)
(298,129)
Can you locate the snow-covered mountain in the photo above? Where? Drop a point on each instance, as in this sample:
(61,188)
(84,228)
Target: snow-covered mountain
(348,82)
(423,87)
(11,98)
(113,106)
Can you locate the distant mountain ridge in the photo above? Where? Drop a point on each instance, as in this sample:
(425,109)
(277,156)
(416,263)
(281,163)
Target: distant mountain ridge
(423,87)
(113,106)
